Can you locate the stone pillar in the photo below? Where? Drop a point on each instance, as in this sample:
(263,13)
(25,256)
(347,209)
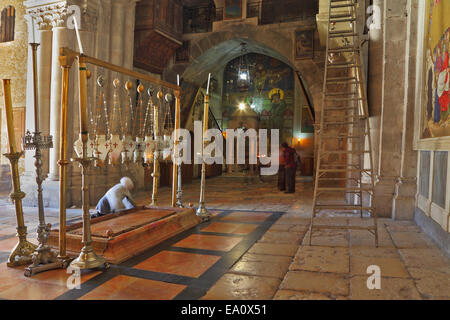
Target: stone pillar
(59,40)
(405,189)
(392,112)
(129,32)
(118,14)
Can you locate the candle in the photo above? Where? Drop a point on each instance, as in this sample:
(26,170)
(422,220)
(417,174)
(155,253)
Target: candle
(9,115)
(78,35)
(209,81)
(178,80)
(32,25)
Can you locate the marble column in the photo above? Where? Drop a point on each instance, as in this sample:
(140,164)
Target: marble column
(59,40)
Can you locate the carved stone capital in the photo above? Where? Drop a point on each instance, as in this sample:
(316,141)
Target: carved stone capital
(49,16)
(52,15)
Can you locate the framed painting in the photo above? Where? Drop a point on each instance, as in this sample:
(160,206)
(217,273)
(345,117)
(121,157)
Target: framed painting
(233,9)
(436,95)
(304,44)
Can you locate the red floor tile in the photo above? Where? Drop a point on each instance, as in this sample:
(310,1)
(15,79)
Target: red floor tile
(234,228)
(247,216)
(130,288)
(206,242)
(180,263)
(43,286)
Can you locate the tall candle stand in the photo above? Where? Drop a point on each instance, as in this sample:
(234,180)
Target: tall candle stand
(202,212)
(179,196)
(157,150)
(87,259)
(43,257)
(22,252)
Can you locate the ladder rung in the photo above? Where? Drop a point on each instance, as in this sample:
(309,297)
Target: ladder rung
(348,82)
(342,15)
(320,226)
(342,5)
(341,78)
(339,123)
(344,152)
(343,20)
(347,49)
(340,137)
(340,109)
(343,66)
(344,189)
(343,170)
(340,94)
(341,32)
(343,207)
(343,99)
(342,35)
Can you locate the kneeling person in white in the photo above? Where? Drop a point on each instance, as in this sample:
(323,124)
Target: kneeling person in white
(117,198)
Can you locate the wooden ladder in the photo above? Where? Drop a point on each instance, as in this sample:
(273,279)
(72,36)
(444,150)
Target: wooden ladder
(344,142)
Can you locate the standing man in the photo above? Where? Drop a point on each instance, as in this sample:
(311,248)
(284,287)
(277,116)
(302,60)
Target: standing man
(290,165)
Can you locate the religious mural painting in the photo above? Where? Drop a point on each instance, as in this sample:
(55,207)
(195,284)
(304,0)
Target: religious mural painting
(435,110)
(233,9)
(304,44)
(269,98)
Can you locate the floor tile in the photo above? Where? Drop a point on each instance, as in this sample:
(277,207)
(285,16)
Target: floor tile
(180,263)
(321,259)
(328,283)
(433,284)
(282,237)
(234,228)
(251,257)
(299,295)
(275,249)
(207,242)
(391,289)
(247,216)
(390,267)
(130,288)
(411,240)
(275,269)
(424,258)
(242,287)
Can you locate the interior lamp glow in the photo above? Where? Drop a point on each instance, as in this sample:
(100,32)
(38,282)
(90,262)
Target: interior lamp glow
(243,76)
(242,106)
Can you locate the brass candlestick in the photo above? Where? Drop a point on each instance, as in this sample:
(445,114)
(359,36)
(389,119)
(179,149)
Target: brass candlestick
(43,257)
(202,212)
(22,252)
(87,259)
(156,151)
(177,193)
(66,63)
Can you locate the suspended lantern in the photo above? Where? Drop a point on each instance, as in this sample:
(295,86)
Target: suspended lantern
(243,77)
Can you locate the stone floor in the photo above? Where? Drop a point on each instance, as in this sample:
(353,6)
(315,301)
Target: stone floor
(255,247)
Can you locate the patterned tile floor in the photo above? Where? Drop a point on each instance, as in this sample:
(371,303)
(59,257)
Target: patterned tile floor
(253,248)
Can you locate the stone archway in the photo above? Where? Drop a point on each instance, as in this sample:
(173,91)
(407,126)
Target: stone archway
(211,51)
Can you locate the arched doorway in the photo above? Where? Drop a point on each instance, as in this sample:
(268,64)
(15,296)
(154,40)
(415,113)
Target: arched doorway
(282,86)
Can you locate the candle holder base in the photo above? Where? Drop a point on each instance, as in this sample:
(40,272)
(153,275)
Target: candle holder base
(21,254)
(35,269)
(203,213)
(88,259)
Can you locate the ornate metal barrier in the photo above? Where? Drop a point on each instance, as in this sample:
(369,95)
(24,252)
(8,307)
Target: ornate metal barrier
(113,133)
